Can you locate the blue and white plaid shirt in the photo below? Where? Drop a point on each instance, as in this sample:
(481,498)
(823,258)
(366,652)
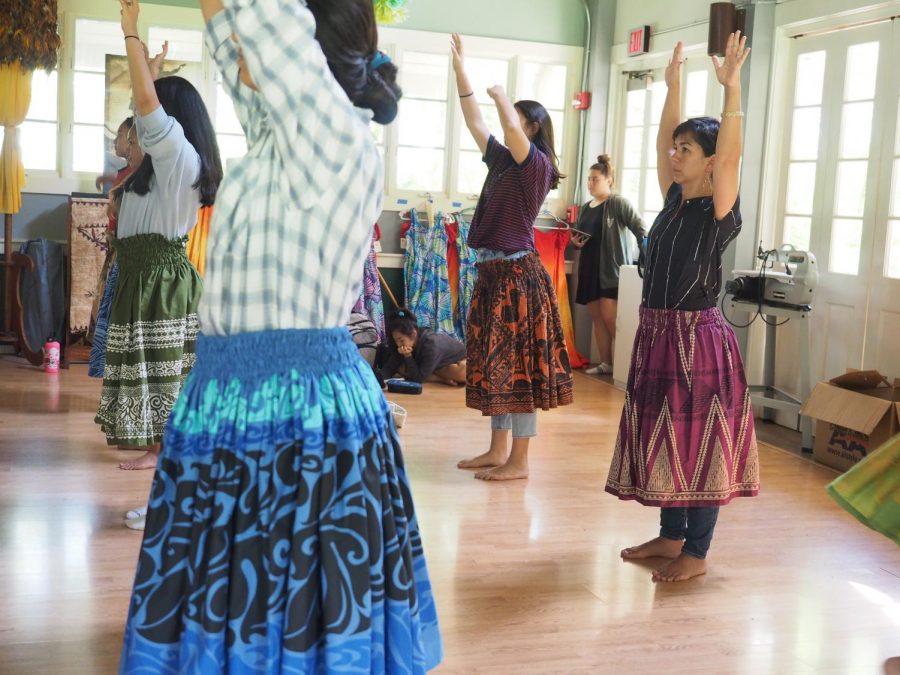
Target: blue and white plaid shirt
(293,218)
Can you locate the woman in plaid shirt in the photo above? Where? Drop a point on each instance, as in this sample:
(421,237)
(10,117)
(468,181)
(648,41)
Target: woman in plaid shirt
(281,535)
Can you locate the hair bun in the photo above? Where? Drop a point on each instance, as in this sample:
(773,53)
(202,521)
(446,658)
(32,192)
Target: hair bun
(381,93)
(604,159)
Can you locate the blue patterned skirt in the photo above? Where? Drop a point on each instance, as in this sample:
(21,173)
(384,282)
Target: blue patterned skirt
(97,362)
(281,535)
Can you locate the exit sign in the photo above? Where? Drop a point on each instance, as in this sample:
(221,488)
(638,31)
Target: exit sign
(639,41)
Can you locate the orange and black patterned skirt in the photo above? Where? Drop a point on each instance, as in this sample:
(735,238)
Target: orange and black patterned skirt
(516,353)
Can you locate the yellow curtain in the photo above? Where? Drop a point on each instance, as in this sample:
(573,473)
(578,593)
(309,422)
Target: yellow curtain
(15,97)
(197,237)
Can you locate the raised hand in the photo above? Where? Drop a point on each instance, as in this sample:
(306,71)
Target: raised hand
(456,49)
(496,92)
(673,70)
(156,63)
(130,11)
(736,52)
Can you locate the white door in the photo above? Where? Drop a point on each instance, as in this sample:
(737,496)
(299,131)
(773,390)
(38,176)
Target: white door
(844,100)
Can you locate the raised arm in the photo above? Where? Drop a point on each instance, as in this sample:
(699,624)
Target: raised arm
(225,52)
(316,128)
(514,137)
(729,143)
(471,112)
(142,89)
(669,120)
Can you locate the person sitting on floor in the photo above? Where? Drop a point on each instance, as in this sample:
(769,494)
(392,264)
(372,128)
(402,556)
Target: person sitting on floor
(421,355)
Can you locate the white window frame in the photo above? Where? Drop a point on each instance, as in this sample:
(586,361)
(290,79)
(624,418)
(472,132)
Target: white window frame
(394,41)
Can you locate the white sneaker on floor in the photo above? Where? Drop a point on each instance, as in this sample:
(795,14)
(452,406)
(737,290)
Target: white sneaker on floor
(136,513)
(599,369)
(136,523)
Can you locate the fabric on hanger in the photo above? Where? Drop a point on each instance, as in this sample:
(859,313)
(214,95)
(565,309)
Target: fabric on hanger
(452,226)
(468,273)
(426,281)
(370,301)
(551,247)
(197,238)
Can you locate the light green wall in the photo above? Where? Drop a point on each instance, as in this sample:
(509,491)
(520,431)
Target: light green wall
(553,21)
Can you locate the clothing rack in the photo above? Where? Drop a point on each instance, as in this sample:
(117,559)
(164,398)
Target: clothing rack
(562,224)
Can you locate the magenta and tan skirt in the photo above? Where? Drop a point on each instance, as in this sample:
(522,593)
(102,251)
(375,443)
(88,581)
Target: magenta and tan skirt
(686,437)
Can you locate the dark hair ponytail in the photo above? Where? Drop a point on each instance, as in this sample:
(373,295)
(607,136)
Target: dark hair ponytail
(348,35)
(179,99)
(605,166)
(535,113)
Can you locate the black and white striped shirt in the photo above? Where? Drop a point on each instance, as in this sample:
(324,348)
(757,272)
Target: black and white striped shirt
(684,253)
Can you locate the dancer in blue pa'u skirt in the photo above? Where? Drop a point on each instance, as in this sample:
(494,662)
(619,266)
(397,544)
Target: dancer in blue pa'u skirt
(281,535)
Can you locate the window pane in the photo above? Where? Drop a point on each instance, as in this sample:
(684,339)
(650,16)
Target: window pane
(634,146)
(630,185)
(805,133)
(484,74)
(650,218)
(90,97)
(425,75)
(545,84)
(895,190)
(695,98)
(231,146)
(184,45)
(559,129)
(846,238)
(862,67)
(472,172)
(43,96)
(491,119)
(653,198)
(892,261)
(636,103)
(226,121)
(651,146)
(93,41)
(420,169)
(797,231)
(377,132)
(801,186)
(422,123)
(38,141)
(658,92)
(850,190)
(810,77)
(87,148)
(856,130)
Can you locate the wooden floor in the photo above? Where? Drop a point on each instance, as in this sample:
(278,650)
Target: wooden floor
(526,574)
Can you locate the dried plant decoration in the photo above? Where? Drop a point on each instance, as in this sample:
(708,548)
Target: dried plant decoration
(28,34)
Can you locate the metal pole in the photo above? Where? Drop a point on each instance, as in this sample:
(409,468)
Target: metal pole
(7,272)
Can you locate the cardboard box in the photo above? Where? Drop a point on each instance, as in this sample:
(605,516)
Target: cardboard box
(855,413)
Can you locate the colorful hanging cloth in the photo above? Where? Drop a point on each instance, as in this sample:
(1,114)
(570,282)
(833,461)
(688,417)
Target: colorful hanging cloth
(552,247)
(370,301)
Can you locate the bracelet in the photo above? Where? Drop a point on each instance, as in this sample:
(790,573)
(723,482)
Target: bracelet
(471,93)
(732,113)
(133,36)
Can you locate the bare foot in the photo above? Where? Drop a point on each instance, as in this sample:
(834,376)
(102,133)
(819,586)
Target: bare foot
(489,458)
(145,461)
(655,548)
(684,567)
(505,472)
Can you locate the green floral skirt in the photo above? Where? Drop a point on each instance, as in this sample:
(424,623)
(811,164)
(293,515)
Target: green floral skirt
(153,327)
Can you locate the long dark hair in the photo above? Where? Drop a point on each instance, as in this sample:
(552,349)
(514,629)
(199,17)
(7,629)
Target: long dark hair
(535,113)
(705,131)
(403,321)
(348,35)
(181,100)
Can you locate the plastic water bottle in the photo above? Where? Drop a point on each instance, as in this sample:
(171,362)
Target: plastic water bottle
(51,356)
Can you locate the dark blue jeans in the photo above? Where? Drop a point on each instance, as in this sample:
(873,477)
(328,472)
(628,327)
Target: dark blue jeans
(693,524)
